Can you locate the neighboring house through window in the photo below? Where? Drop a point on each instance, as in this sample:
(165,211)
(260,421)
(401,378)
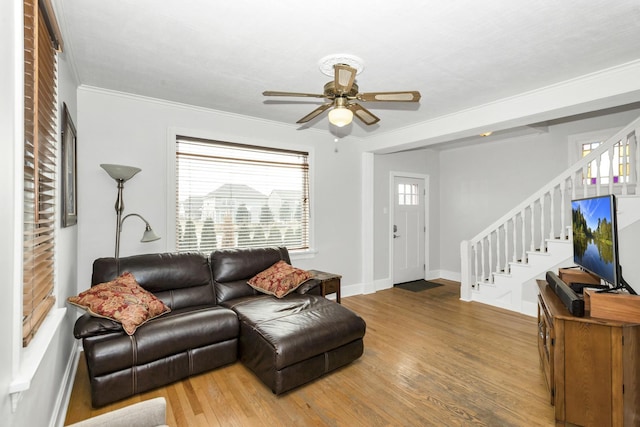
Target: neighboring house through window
(237,196)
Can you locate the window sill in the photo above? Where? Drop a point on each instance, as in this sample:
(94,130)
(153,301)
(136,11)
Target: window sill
(305,254)
(32,355)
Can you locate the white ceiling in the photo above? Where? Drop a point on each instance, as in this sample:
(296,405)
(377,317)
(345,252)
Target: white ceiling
(459,54)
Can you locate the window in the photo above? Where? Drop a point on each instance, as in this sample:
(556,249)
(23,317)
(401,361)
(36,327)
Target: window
(581,145)
(236,196)
(621,165)
(408,195)
(41,39)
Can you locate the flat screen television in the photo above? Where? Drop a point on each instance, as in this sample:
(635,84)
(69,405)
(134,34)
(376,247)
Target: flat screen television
(595,238)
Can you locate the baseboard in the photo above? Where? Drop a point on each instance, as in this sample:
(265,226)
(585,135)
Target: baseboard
(529,308)
(64,396)
(351,290)
(383,284)
(444,274)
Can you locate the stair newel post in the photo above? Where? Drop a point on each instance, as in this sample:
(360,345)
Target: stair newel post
(515,238)
(524,235)
(634,159)
(476,269)
(552,213)
(467,277)
(532,221)
(482,259)
(490,253)
(563,210)
(542,198)
(506,247)
(498,250)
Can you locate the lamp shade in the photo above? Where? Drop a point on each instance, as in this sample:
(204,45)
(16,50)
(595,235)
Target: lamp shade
(120,172)
(149,235)
(340,116)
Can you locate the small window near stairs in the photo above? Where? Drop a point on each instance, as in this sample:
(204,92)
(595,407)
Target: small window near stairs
(620,165)
(583,144)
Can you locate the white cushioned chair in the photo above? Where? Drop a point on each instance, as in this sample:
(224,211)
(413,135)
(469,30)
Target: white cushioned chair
(150,413)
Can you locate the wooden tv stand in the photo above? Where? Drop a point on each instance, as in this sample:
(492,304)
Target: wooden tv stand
(592,366)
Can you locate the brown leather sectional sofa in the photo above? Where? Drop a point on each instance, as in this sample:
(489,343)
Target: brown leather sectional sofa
(216,318)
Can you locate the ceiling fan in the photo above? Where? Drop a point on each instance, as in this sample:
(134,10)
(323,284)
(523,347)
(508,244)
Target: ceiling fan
(342,92)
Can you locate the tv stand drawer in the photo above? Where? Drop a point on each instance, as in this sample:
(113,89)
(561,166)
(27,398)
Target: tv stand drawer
(545,345)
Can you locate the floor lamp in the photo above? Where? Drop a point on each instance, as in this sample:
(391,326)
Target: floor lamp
(121,174)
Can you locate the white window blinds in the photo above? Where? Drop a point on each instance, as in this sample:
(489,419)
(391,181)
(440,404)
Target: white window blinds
(236,196)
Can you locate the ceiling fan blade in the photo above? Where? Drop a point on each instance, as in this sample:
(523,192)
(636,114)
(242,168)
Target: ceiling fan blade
(344,77)
(315,113)
(409,96)
(363,114)
(276,93)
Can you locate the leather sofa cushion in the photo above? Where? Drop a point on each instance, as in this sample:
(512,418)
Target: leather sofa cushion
(176,332)
(178,279)
(242,264)
(229,291)
(88,325)
(231,268)
(296,327)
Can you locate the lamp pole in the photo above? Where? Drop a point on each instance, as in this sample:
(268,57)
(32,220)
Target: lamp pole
(119,210)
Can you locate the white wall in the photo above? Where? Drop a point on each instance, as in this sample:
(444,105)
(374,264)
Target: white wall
(39,404)
(481,183)
(123,129)
(629,239)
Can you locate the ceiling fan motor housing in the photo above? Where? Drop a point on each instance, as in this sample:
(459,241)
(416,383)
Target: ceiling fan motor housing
(330,91)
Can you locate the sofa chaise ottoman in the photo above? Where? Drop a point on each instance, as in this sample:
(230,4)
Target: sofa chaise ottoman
(286,341)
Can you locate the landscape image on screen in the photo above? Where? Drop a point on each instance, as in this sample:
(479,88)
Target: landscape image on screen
(593,236)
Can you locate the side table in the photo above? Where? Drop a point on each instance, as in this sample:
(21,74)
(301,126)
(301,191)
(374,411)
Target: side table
(329,283)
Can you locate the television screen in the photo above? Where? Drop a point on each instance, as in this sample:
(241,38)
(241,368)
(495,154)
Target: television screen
(595,236)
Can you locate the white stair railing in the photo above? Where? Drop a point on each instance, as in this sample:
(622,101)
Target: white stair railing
(546,213)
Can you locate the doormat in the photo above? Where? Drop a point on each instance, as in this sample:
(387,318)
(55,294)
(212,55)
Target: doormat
(418,285)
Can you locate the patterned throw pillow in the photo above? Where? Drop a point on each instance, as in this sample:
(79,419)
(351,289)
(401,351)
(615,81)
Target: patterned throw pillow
(279,280)
(122,300)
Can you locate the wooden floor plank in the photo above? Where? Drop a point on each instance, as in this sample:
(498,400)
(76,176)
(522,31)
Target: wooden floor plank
(430,359)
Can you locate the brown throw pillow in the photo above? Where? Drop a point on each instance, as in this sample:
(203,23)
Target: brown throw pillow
(279,280)
(122,300)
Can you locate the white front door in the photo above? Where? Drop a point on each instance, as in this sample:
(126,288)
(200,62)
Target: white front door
(408,229)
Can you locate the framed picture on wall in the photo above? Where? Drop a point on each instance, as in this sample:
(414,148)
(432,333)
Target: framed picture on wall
(69,184)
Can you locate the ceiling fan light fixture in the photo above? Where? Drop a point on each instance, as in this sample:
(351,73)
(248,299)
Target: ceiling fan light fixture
(340,116)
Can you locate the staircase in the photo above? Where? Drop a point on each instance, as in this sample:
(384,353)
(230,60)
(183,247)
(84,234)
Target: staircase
(501,264)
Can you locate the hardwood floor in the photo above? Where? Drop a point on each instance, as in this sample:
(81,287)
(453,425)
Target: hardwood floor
(429,360)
